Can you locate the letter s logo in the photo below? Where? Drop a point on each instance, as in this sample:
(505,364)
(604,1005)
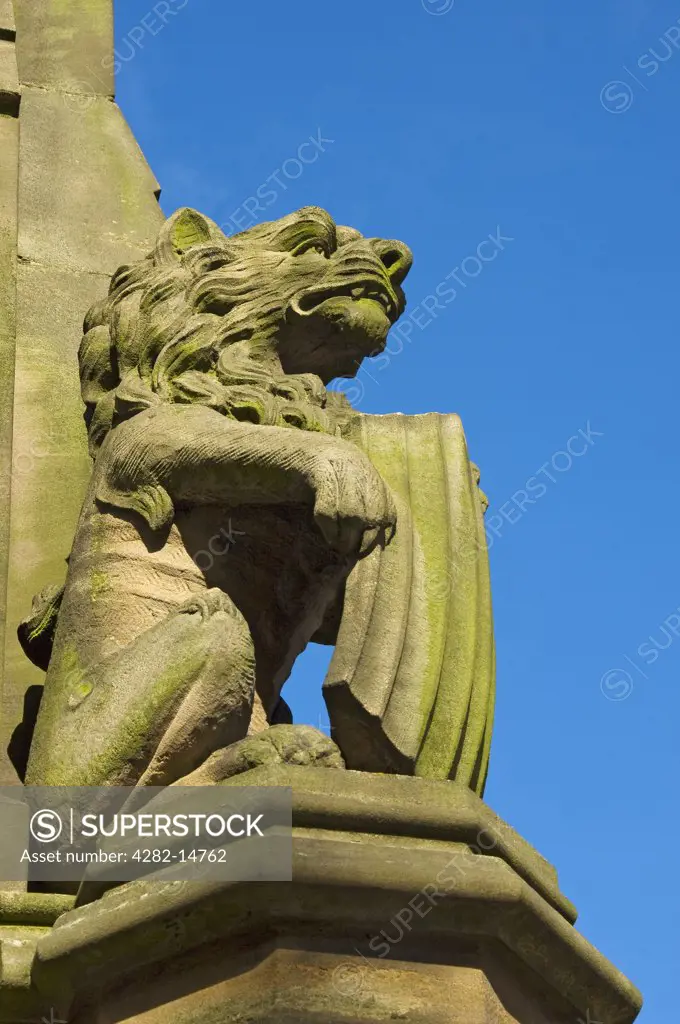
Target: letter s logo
(46,826)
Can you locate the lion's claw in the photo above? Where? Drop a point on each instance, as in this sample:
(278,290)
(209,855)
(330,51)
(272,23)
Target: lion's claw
(208,603)
(279,744)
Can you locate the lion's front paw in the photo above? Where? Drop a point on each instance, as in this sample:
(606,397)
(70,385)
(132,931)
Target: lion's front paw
(353,507)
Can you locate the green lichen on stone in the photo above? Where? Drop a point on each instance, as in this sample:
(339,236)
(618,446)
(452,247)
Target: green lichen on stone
(99,583)
(140,725)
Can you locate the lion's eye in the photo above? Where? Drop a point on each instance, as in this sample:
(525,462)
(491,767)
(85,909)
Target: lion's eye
(310,245)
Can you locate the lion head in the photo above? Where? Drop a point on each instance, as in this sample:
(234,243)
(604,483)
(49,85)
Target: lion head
(253,325)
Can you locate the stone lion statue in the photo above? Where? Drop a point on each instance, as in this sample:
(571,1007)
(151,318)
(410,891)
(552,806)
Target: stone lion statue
(226,508)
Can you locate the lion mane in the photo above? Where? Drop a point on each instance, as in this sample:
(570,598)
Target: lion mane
(197,321)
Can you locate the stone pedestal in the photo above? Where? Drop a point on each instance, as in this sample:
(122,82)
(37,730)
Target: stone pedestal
(411,901)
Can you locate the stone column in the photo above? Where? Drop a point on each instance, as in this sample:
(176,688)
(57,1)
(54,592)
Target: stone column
(78,200)
(9,163)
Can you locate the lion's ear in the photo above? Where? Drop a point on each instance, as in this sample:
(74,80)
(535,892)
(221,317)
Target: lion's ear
(184,230)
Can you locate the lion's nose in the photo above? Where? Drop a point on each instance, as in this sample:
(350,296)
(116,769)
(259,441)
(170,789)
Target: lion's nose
(396,257)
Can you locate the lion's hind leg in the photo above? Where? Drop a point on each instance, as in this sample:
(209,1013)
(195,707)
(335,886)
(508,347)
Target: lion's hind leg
(156,709)
(217,708)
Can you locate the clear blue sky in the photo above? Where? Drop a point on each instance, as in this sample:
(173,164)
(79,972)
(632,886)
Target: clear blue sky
(446,128)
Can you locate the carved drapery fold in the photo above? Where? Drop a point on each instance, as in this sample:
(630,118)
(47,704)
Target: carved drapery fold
(411,684)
